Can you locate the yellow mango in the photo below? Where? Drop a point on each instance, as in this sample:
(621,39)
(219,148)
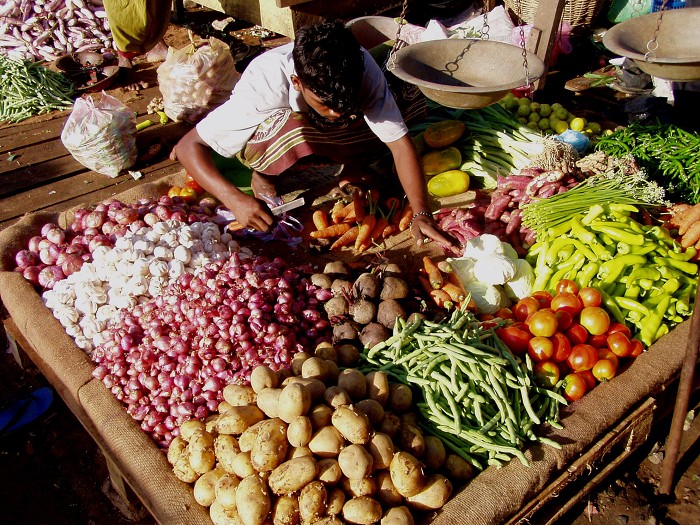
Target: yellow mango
(443,133)
(440,160)
(448,183)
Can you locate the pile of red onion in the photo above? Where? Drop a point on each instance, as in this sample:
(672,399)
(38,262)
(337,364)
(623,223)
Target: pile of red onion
(57,252)
(169,359)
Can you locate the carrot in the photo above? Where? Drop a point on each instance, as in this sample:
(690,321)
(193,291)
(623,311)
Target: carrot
(376,233)
(334,230)
(346,239)
(365,230)
(359,202)
(432,272)
(406,216)
(452,278)
(389,230)
(320,219)
(455,292)
(442,298)
(336,211)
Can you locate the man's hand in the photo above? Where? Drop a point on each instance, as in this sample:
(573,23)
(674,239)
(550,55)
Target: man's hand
(251,212)
(424,229)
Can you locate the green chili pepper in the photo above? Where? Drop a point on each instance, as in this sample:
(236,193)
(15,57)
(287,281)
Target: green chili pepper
(580,232)
(587,272)
(652,322)
(684,266)
(618,234)
(630,304)
(633,291)
(611,270)
(612,307)
(594,212)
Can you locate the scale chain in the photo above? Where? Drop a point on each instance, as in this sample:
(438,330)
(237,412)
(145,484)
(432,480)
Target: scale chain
(653,45)
(390,63)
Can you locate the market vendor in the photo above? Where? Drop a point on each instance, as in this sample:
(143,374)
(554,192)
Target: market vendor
(322,95)
(138,27)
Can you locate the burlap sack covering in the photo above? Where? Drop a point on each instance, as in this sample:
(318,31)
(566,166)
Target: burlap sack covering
(142,464)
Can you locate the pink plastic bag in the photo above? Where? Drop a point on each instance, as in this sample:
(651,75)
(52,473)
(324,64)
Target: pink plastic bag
(562,44)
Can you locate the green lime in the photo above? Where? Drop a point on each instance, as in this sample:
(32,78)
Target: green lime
(533,125)
(535,106)
(594,127)
(522,120)
(560,126)
(534,117)
(578,124)
(557,106)
(560,113)
(544,123)
(524,110)
(545,110)
(524,101)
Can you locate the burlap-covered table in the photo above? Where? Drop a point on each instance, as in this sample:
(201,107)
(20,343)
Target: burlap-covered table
(492,497)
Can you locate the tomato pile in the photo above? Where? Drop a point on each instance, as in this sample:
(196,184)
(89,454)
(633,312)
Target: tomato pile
(568,335)
(189,191)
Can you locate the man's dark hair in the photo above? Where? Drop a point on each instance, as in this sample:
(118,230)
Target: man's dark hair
(328,61)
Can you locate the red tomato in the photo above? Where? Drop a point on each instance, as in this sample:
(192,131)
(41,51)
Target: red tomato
(564,319)
(604,370)
(543,297)
(637,347)
(542,323)
(619,344)
(514,338)
(562,347)
(566,285)
(568,302)
(619,327)
(540,348)
(574,387)
(190,182)
(589,378)
(597,341)
(525,307)
(595,320)
(546,373)
(590,296)
(486,317)
(504,313)
(577,334)
(606,353)
(582,357)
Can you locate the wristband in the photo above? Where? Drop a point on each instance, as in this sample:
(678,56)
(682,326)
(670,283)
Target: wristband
(420,213)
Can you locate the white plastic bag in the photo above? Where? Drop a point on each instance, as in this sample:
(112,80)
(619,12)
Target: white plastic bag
(195,81)
(101,134)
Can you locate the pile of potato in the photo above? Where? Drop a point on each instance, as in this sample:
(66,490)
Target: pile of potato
(363,308)
(315,445)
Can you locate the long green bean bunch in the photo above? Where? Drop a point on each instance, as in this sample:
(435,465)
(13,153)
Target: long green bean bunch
(476,395)
(28,89)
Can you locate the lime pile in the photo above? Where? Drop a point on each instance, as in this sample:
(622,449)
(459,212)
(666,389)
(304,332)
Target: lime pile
(550,119)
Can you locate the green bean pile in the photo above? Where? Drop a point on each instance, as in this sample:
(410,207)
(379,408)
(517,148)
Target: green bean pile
(477,396)
(668,153)
(28,89)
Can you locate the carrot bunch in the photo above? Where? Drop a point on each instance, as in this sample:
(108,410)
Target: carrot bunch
(444,288)
(361,223)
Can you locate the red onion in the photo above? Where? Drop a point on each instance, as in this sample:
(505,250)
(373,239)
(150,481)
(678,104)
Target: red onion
(49,276)
(94,219)
(71,264)
(31,274)
(33,244)
(56,235)
(25,258)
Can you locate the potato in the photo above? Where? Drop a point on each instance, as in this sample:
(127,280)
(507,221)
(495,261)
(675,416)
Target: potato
(335,502)
(201,452)
(329,472)
(336,396)
(327,442)
(371,409)
(239,419)
(393,288)
(326,351)
(355,462)
(242,466)
(191,427)
(298,361)
(270,447)
(212,421)
(378,386)
(373,334)
(247,438)
(252,500)
(222,516)
(298,452)
(225,490)
(312,501)
(176,448)
(292,475)
(315,387)
(386,491)
(457,468)
(362,511)
(223,407)
(226,449)
(183,470)
(320,416)
(362,311)
(388,311)
(397,516)
(314,368)
(352,424)
(359,487)
(400,397)
(285,511)
(354,383)
(299,431)
(262,377)
(434,495)
(406,474)
(329,520)
(294,400)
(283,374)
(348,354)
(381,448)
(239,395)
(205,486)
(390,425)
(332,371)
(434,455)
(268,401)
(411,440)
(409,418)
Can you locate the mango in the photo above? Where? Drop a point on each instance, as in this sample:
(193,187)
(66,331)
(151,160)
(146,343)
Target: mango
(443,133)
(440,160)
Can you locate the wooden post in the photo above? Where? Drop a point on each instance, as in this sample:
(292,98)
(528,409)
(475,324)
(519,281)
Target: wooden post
(543,34)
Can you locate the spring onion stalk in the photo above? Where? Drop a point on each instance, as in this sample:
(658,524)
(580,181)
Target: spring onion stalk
(28,89)
(545,215)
